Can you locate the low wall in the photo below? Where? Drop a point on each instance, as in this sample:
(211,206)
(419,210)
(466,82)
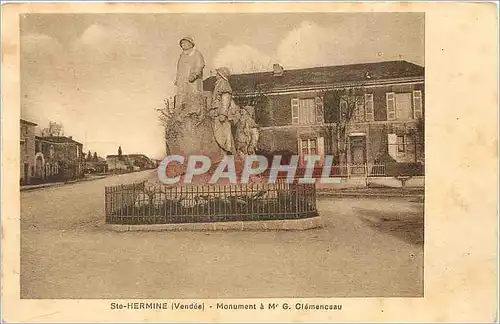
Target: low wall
(278,225)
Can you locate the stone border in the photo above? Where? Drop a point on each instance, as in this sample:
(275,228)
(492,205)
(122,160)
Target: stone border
(272,225)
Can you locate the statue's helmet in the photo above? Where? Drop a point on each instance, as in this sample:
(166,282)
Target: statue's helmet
(224,72)
(188,39)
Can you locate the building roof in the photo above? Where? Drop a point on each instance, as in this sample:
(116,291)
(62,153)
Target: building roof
(321,76)
(58,139)
(24,121)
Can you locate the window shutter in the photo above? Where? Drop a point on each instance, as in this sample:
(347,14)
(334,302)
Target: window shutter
(369,107)
(295,111)
(320,114)
(359,112)
(391,105)
(417,104)
(321,148)
(392,142)
(299,152)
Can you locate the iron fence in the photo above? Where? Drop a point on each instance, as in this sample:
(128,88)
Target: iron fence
(342,171)
(139,203)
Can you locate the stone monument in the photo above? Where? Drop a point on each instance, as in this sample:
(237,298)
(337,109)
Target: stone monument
(198,126)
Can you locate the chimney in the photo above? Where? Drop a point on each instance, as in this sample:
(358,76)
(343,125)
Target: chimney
(277,70)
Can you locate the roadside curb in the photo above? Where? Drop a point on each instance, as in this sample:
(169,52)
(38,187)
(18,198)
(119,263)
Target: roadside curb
(371,195)
(57,184)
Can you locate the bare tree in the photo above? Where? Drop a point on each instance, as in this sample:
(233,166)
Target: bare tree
(340,108)
(54,129)
(252,97)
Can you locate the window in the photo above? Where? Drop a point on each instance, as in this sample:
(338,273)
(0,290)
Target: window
(26,144)
(401,144)
(403,106)
(309,147)
(51,153)
(417,104)
(399,106)
(307,111)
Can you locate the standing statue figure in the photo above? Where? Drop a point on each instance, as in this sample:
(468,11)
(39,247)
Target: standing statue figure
(189,80)
(223,111)
(247,131)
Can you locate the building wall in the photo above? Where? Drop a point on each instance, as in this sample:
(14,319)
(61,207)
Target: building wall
(114,163)
(279,135)
(27,151)
(62,161)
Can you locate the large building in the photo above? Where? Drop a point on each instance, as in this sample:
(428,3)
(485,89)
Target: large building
(27,151)
(301,111)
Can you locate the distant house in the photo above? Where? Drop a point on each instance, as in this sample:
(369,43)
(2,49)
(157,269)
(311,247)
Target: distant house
(27,152)
(141,161)
(57,158)
(129,162)
(387,122)
(119,163)
(99,166)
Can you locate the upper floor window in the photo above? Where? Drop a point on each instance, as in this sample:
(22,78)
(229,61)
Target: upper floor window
(399,105)
(51,151)
(307,111)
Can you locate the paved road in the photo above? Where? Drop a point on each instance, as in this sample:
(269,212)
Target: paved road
(369,248)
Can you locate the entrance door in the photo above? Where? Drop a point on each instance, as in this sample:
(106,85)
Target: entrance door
(358,153)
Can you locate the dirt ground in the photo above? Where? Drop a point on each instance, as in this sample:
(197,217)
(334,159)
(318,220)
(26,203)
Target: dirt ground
(370,247)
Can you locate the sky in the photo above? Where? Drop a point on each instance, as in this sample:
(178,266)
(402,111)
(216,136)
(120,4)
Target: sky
(104,75)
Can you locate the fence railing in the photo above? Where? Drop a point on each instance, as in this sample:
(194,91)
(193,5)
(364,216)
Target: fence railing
(342,171)
(161,204)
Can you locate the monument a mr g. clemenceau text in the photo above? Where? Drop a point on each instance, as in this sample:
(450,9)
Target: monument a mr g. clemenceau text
(213,126)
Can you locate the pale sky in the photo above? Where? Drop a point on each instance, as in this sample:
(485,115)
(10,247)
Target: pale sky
(104,75)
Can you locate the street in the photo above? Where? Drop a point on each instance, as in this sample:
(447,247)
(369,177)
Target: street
(369,247)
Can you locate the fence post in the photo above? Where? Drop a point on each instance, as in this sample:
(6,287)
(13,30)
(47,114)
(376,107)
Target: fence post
(366,175)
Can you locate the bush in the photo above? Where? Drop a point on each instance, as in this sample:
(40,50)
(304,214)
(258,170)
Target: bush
(395,169)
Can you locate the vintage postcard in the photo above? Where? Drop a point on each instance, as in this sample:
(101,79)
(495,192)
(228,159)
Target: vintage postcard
(215,162)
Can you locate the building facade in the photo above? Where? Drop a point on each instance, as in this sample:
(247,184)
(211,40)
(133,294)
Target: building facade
(57,158)
(129,162)
(302,111)
(27,151)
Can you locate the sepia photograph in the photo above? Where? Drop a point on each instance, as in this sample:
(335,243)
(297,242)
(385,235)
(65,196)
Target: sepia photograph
(106,97)
(223,161)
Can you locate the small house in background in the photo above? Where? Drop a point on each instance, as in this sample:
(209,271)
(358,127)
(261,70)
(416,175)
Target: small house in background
(117,163)
(128,162)
(296,113)
(99,166)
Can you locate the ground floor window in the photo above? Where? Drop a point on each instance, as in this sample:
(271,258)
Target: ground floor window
(311,146)
(401,144)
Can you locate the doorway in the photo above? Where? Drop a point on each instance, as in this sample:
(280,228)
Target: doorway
(357,146)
